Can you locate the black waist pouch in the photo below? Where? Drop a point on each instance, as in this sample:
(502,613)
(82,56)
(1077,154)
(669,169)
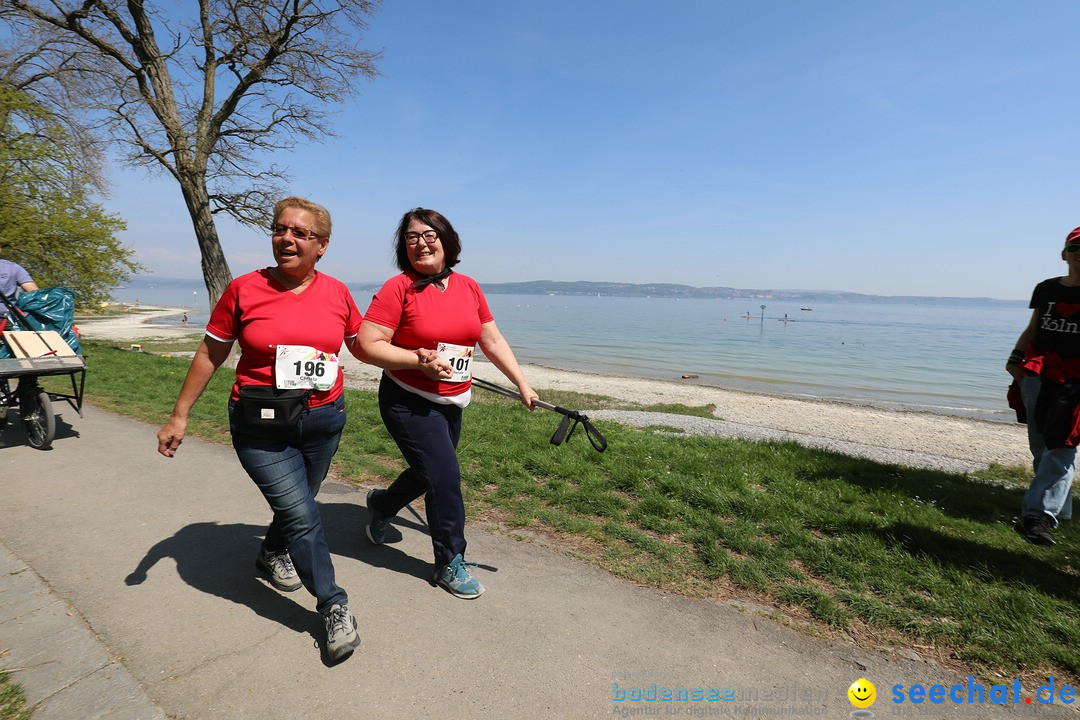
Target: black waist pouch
(265,407)
(1056,412)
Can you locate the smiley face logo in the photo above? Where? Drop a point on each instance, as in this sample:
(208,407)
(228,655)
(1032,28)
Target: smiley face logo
(862,693)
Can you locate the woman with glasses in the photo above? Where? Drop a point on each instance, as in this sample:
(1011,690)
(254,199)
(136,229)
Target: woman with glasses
(286,408)
(421,397)
(1046,363)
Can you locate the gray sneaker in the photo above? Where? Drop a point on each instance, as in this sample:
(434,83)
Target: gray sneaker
(279,570)
(376,525)
(341,635)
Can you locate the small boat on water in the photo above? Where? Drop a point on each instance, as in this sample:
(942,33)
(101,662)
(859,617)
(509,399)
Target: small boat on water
(806,308)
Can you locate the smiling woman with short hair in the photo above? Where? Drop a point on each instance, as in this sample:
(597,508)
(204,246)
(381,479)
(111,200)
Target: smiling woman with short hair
(287,407)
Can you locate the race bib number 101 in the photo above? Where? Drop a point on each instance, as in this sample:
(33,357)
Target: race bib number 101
(460,359)
(303,367)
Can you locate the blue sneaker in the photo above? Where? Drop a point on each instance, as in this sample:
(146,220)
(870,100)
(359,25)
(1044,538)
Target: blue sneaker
(457,580)
(376,527)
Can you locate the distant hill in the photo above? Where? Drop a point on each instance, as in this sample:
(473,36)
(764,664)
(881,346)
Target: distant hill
(668,290)
(657,290)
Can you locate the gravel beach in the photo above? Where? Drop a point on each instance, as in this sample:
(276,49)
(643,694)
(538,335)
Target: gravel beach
(945,442)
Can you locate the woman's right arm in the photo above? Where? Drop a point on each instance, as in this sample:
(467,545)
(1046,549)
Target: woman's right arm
(208,358)
(376,349)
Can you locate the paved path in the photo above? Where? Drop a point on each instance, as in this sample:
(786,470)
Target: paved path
(127,590)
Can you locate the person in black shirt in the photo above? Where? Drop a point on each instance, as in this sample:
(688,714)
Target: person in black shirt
(1045,360)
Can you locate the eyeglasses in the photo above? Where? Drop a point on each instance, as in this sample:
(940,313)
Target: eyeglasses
(428,236)
(1072,247)
(297,232)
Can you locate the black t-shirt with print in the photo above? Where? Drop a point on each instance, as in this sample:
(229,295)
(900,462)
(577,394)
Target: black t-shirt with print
(1059,318)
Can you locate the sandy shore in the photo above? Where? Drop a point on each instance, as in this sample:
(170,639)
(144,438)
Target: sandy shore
(912,438)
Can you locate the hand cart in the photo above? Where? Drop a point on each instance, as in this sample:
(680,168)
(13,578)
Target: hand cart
(37,353)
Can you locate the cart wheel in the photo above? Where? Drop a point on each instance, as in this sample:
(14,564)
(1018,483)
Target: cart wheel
(38,419)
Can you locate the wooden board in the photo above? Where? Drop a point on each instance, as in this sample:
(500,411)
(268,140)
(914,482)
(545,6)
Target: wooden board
(30,344)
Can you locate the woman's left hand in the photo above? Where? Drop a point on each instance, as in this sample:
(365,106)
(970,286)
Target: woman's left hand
(527,396)
(432,365)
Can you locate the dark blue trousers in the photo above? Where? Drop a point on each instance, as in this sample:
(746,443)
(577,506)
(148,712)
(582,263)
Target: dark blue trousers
(427,434)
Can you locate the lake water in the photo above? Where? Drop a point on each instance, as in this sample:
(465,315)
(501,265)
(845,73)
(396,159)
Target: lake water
(944,358)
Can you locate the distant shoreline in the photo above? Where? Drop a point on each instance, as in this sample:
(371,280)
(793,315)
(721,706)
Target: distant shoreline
(645,290)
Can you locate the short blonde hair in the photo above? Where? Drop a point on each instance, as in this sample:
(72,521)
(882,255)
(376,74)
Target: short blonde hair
(323,225)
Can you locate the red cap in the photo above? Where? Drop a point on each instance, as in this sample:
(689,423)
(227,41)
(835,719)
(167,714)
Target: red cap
(1073,237)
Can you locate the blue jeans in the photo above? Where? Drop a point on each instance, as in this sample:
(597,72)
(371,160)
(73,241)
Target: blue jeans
(427,434)
(1050,487)
(289,472)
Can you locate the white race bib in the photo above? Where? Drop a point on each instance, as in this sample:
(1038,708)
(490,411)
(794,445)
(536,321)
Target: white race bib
(303,367)
(460,359)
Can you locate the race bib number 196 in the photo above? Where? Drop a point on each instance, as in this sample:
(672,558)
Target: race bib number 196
(460,359)
(303,367)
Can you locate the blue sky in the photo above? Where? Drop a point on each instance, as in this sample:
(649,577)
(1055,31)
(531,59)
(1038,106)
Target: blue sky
(915,148)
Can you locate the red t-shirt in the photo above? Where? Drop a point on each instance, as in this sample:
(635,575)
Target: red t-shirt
(429,317)
(261,314)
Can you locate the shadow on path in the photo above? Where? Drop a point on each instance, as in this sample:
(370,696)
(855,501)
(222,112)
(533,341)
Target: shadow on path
(344,524)
(220,560)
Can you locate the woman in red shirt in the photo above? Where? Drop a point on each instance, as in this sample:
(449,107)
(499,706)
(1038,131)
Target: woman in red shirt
(290,322)
(429,307)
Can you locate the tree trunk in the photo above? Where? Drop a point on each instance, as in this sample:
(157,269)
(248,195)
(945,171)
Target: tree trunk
(215,267)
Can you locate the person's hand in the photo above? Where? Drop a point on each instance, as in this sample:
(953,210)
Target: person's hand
(171,435)
(528,395)
(432,365)
(1014,365)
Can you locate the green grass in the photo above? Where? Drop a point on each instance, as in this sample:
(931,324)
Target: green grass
(883,553)
(12,700)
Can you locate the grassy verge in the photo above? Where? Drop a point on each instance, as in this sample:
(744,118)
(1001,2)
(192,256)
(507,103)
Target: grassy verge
(884,554)
(12,700)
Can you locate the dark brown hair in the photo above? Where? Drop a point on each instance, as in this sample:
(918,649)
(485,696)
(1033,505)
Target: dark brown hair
(451,243)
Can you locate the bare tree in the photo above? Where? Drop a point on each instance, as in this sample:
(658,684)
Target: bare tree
(205,98)
(23,70)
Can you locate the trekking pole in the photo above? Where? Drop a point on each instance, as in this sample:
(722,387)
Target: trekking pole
(565,429)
